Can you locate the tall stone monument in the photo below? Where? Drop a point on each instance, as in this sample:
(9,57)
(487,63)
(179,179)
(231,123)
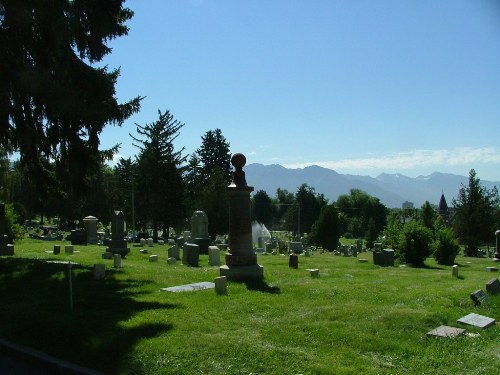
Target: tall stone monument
(90,225)
(497,250)
(241,260)
(118,244)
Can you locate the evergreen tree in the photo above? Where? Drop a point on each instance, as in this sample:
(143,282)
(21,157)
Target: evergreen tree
(214,155)
(326,230)
(475,208)
(262,208)
(160,196)
(53,103)
(428,215)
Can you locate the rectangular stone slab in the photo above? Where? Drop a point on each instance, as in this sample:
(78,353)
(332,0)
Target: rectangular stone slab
(477,320)
(190,287)
(445,331)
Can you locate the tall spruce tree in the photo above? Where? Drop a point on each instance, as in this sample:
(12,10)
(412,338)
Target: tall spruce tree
(160,196)
(54,103)
(475,209)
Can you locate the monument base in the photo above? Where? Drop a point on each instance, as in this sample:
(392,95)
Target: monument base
(242,273)
(123,251)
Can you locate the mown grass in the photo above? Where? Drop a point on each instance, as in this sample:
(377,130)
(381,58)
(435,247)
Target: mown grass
(355,318)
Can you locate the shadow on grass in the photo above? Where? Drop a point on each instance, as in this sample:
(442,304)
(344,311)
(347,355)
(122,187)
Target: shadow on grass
(261,286)
(35,312)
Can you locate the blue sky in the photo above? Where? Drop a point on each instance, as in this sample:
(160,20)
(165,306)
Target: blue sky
(361,87)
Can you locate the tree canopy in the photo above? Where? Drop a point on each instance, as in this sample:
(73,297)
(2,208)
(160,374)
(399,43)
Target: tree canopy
(53,103)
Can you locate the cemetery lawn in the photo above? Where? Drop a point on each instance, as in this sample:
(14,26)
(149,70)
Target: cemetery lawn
(355,318)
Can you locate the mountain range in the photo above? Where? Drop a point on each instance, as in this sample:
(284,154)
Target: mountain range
(391,189)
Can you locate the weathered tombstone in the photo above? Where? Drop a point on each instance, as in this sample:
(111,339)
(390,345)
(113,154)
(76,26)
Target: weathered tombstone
(142,241)
(172,261)
(79,236)
(171,242)
(161,242)
(378,258)
(493,286)
(362,260)
(117,260)
(446,331)
(118,244)
(174,252)
(221,285)
(477,320)
(492,269)
(293,261)
(153,258)
(69,249)
(314,272)
(359,246)
(213,256)
(99,271)
(241,260)
(150,242)
(90,225)
(57,249)
(307,253)
(143,251)
(479,297)
(191,255)
(454,271)
(388,257)
(199,231)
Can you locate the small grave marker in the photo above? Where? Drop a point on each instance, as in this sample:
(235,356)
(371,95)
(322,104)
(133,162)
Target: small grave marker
(172,261)
(221,285)
(153,258)
(57,249)
(68,249)
(477,320)
(446,331)
(107,255)
(143,251)
(492,269)
(117,260)
(362,260)
(479,297)
(99,271)
(454,271)
(493,286)
(293,262)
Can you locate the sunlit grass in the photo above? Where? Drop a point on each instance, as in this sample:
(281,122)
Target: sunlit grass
(354,318)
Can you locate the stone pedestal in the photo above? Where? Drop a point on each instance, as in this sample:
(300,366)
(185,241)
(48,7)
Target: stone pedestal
(241,260)
(454,271)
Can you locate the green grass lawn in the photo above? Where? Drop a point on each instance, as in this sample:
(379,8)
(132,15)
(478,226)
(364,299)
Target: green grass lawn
(355,318)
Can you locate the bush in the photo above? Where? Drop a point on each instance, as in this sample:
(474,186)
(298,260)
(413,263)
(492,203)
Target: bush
(414,243)
(445,247)
(13,229)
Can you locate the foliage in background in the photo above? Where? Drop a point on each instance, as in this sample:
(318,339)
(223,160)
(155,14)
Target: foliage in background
(161,197)
(262,208)
(445,247)
(476,213)
(14,230)
(414,243)
(326,230)
(53,103)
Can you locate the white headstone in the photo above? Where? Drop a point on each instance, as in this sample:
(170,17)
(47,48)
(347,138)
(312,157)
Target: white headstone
(143,241)
(454,271)
(153,258)
(150,241)
(213,256)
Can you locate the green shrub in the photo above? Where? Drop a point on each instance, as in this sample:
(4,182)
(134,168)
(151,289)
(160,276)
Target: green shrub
(445,247)
(13,229)
(414,243)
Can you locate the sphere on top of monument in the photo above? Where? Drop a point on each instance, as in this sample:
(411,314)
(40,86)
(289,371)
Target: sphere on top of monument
(238,160)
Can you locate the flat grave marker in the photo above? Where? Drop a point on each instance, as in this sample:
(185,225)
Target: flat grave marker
(477,320)
(190,287)
(446,331)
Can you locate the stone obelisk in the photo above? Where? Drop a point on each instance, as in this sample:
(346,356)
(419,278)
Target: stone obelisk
(241,260)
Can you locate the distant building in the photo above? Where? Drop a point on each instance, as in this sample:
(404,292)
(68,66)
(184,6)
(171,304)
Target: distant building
(407,205)
(443,210)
